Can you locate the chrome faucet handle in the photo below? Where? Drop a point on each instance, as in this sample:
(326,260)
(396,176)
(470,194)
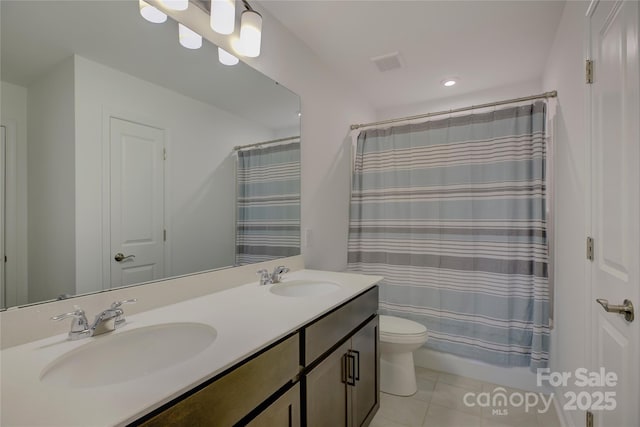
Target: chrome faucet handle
(120,319)
(79,325)
(277,273)
(265,277)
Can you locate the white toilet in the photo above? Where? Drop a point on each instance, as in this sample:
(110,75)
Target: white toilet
(398,340)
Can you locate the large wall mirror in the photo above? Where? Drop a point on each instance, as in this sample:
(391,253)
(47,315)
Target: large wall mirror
(119,153)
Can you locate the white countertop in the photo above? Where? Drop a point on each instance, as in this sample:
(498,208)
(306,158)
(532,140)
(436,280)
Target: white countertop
(247,319)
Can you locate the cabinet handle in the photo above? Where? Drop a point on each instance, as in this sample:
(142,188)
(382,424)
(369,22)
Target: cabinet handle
(344,368)
(356,364)
(350,368)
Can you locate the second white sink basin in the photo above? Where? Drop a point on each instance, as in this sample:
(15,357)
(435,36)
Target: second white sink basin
(128,355)
(304,288)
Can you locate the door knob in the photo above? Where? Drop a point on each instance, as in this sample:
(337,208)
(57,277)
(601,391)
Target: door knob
(120,257)
(626,308)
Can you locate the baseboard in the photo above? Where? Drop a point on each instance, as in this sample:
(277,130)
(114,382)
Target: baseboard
(521,378)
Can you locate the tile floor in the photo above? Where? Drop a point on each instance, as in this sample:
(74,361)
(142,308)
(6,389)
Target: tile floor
(439,403)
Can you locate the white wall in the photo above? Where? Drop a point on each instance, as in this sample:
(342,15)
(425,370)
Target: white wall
(460,101)
(329,106)
(565,72)
(200,173)
(14,117)
(287,132)
(51,184)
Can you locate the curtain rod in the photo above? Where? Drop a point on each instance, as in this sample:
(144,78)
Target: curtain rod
(273,141)
(551,94)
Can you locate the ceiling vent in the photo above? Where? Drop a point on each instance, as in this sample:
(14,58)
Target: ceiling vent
(390,61)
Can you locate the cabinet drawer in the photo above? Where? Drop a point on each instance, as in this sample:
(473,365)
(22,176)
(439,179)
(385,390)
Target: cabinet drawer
(231,397)
(329,330)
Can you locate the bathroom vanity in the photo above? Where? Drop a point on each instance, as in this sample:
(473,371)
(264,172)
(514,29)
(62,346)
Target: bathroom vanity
(302,352)
(335,366)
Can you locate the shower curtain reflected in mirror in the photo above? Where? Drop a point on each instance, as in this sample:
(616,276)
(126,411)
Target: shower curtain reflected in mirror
(268,203)
(452,213)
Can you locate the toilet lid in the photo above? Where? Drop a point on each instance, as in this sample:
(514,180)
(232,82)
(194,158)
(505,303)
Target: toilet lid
(399,326)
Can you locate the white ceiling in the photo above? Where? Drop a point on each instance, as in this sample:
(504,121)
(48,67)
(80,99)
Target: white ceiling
(486,44)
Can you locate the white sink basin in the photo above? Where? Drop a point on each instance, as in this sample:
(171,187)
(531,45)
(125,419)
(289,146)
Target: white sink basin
(128,355)
(304,288)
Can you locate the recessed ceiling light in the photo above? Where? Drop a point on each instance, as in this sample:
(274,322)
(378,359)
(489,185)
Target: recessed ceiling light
(449,82)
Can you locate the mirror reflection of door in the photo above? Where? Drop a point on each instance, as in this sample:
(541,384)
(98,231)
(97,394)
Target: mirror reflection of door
(136,179)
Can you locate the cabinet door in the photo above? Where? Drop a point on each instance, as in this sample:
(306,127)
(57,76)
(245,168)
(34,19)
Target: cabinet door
(327,400)
(284,412)
(365,392)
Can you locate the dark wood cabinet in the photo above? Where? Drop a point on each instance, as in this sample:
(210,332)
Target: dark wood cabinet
(366,391)
(342,390)
(326,391)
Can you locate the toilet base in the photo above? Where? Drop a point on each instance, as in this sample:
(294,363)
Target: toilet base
(398,374)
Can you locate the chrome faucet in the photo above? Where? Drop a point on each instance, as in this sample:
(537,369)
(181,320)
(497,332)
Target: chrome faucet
(275,277)
(79,325)
(265,278)
(277,273)
(105,321)
(108,320)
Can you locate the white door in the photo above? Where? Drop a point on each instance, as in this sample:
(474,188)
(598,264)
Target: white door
(615,192)
(137,202)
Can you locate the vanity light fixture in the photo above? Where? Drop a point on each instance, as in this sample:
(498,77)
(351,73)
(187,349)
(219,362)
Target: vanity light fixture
(151,13)
(223,16)
(189,38)
(176,4)
(226,58)
(250,32)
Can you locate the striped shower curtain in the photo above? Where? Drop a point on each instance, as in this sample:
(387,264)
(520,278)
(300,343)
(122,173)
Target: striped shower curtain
(452,213)
(268,203)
